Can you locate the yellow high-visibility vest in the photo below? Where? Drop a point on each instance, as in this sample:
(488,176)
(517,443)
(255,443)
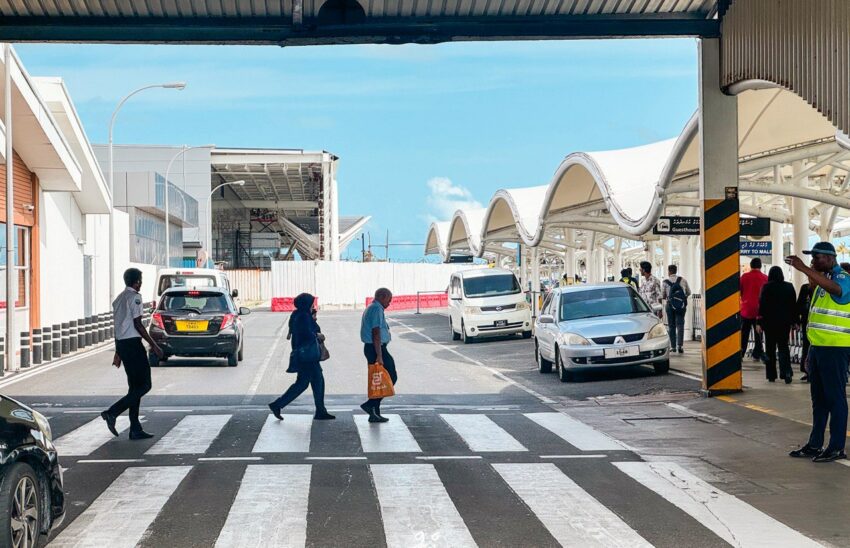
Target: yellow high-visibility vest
(829,322)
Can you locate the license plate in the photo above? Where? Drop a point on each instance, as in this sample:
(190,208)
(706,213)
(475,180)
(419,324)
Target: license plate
(501,323)
(191,325)
(622,351)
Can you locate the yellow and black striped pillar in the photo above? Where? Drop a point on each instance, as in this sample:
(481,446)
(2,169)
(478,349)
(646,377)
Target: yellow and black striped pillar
(722,341)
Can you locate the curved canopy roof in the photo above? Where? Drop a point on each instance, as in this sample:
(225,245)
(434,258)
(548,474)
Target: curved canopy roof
(623,192)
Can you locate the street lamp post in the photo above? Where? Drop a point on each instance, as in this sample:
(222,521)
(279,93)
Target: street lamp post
(169,85)
(209,209)
(182,152)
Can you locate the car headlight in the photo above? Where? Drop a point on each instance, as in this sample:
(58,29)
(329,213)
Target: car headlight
(43,425)
(522,306)
(658,331)
(571,339)
(472,310)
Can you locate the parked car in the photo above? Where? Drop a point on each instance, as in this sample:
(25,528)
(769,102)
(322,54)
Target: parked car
(602,325)
(485,303)
(32,502)
(192,278)
(198,323)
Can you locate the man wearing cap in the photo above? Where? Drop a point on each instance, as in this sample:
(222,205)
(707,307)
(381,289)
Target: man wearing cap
(828,332)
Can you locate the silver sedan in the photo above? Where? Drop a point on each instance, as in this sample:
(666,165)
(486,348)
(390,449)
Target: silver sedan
(600,325)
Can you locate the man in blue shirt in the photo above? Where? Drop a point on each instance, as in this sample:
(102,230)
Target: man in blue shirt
(375,335)
(828,331)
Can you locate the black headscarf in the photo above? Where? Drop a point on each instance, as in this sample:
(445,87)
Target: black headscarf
(301,323)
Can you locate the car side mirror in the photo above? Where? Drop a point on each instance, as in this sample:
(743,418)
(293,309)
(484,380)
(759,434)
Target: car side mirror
(456,298)
(546,319)
(234,293)
(244,311)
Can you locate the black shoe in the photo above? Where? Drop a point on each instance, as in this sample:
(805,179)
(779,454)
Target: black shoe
(804,378)
(323,416)
(374,417)
(276,412)
(805,452)
(681,350)
(140,435)
(771,380)
(788,379)
(830,455)
(110,422)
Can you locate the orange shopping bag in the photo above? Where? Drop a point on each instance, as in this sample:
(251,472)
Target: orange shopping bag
(380,384)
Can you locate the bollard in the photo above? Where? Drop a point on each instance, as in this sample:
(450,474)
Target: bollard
(73,339)
(66,338)
(87,332)
(98,332)
(57,341)
(81,334)
(25,349)
(46,344)
(110,319)
(2,356)
(36,346)
(101,332)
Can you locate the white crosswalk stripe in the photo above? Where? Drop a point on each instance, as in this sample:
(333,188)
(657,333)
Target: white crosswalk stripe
(572,516)
(270,508)
(727,516)
(480,433)
(88,438)
(291,435)
(575,432)
(112,521)
(193,435)
(387,437)
(416,509)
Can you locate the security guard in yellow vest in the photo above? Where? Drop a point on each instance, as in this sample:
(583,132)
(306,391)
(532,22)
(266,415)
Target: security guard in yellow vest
(828,332)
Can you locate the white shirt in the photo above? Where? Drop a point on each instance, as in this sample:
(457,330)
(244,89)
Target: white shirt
(126,307)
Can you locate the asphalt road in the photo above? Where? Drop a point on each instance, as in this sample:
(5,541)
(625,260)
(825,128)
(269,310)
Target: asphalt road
(481,450)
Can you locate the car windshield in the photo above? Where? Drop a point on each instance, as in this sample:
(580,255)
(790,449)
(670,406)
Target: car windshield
(491,286)
(181,280)
(606,301)
(195,301)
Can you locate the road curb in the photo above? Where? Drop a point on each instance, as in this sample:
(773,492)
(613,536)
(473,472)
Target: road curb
(13,377)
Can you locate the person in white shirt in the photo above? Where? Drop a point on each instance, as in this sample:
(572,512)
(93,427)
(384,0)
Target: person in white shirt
(650,287)
(129,332)
(675,292)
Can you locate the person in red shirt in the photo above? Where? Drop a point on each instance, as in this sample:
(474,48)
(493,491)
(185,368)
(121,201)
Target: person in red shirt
(751,284)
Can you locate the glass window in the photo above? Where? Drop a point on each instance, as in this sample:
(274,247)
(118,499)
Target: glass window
(21,265)
(491,286)
(180,280)
(593,303)
(195,301)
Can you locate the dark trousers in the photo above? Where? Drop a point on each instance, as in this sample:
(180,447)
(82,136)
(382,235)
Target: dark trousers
(776,337)
(309,374)
(805,352)
(135,362)
(389,365)
(748,325)
(827,378)
(676,326)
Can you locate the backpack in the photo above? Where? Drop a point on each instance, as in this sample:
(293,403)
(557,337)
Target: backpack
(677,298)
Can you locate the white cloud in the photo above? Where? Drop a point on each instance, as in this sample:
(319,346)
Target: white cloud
(446,197)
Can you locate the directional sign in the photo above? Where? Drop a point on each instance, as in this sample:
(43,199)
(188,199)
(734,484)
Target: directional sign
(756,248)
(677,226)
(755,226)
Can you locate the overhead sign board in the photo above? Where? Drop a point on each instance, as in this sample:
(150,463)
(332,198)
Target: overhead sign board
(689,226)
(756,248)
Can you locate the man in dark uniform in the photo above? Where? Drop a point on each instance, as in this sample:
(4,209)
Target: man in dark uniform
(129,332)
(829,334)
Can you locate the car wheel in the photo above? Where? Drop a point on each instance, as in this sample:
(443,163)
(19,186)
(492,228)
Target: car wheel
(19,506)
(241,355)
(526,334)
(662,368)
(455,335)
(543,365)
(467,339)
(153,359)
(232,359)
(563,374)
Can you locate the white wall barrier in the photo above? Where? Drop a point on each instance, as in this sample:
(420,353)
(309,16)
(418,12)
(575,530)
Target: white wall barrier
(253,285)
(346,285)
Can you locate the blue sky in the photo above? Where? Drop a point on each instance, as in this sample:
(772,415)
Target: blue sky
(420,130)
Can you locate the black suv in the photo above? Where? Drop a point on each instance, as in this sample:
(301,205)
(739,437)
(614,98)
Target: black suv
(31,499)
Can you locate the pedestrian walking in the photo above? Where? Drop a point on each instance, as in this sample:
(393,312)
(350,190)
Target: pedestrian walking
(650,288)
(750,285)
(675,292)
(304,359)
(375,336)
(829,334)
(777,313)
(129,331)
(804,302)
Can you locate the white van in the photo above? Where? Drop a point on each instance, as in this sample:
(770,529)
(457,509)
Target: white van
(166,278)
(487,302)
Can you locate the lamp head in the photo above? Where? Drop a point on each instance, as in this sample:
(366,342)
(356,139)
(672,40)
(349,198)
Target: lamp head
(240,182)
(174,85)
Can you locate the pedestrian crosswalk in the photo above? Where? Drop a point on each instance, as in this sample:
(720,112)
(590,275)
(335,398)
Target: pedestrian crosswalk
(422,480)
